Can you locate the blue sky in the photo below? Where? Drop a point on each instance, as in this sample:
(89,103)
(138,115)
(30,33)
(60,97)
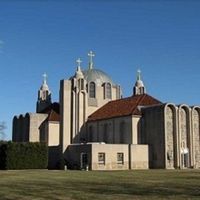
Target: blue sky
(162,38)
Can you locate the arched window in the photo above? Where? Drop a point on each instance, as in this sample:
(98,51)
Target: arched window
(142,90)
(81,84)
(87,88)
(107,91)
(92,90)
(44,95)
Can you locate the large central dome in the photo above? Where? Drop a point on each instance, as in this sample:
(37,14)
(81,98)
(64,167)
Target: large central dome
(97,76)
(92,75)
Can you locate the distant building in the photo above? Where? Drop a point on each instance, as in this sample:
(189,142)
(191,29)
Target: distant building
(92,127)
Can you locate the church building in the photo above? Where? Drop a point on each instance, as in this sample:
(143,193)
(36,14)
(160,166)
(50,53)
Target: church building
(93,127)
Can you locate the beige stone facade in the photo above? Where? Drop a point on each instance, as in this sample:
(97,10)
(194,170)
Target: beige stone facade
(119,130)
(35,127)
(79,98)
(93,128)
(172,133)
(101,156)
(29,127)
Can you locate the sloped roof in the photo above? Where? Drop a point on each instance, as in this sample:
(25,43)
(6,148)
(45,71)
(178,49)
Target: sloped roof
(123,107)
(53,116)
(53,112)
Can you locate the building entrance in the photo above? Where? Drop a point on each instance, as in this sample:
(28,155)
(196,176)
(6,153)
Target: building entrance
(84,161)
(185,158)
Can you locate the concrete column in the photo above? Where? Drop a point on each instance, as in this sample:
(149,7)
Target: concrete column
(65,113)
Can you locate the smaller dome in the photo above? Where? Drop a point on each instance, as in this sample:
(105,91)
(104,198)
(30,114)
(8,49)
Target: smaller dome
(79,73)
(44,86)
(139,87)
(139,83)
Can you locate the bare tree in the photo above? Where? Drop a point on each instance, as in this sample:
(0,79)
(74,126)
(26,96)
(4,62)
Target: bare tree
(2,130)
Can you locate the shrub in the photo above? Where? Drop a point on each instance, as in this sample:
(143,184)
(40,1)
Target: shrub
(27,155)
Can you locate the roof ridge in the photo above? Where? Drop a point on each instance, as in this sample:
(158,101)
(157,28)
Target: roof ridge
(122,99)
(138,101)
(53,116)
(155,98)
(50,113)
(123,107)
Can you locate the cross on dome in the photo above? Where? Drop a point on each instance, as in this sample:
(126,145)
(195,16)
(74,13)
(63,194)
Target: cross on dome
(138,74)
(44,78)
(79,61)
(44,86)
(91,55)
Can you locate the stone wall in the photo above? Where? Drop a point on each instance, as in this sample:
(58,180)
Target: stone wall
(152,133)
(36,126)
(107,156)
(196,135)
(173,135)
(111,152)
(53,133)
(139,156)
(170,135)
(120,130)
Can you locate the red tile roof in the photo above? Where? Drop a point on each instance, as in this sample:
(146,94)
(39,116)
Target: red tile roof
(123,107)
(53,116)
(53,112)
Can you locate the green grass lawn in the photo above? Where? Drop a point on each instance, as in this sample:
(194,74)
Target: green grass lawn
(149,184)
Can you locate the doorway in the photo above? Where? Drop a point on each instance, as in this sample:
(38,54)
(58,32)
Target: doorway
(84,161)
(185,158)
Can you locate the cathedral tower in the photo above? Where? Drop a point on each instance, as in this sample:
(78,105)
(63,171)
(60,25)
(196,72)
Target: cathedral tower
(139,87)
(44,95)
(79,96)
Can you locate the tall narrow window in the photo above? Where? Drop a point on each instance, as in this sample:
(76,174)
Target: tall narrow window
(108,91)
(87,88)
(44,95)
(92,90)
(82,84)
